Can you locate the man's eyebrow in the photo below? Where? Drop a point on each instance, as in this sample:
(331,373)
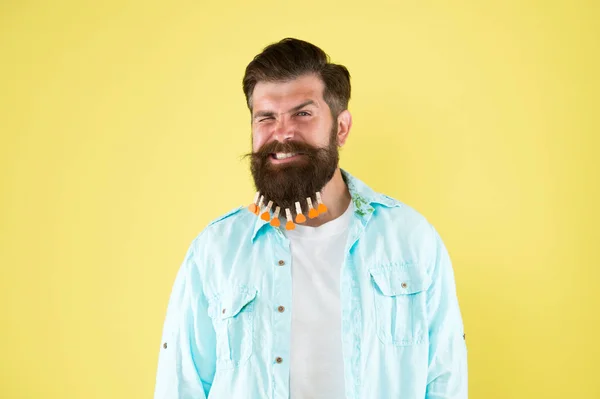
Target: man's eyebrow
(304,104)
(262,114)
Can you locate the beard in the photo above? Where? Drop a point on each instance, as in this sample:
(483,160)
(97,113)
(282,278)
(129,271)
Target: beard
(294,181)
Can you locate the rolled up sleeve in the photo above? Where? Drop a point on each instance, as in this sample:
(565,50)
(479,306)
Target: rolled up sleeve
(186,363)
(447,370)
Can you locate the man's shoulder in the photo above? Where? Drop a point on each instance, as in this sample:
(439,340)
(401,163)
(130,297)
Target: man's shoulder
(234,223)
(403,221)
(232,214)
(406,230)
(388,210)
(395,211)
(239,217)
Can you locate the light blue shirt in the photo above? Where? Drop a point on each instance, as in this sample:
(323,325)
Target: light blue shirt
(225,336)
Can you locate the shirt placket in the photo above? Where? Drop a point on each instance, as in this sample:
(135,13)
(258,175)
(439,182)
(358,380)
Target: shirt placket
(349,295)
(281,316)
(350,298)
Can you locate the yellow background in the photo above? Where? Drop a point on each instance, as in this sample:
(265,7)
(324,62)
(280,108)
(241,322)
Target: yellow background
(122,125)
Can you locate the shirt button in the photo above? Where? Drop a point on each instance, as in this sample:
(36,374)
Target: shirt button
(165,345)
(404,285)
(279,360)
(281,309)
(281,263)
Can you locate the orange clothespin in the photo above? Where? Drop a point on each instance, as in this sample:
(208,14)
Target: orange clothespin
(260,205)
(321,206)
(290,224)
(275,220)
(312,212)
(300,218)
(266,215)
(253,207)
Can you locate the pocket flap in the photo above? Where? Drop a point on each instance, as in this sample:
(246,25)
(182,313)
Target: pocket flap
(393,281)
(232,304)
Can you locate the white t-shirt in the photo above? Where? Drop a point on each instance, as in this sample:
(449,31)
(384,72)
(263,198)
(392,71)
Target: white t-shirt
(317,367)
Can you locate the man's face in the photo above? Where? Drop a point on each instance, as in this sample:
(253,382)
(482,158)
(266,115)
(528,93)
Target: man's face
(294,140)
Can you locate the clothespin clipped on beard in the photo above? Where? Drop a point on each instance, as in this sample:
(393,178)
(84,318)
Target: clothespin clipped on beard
(275,219)
(266,215)
(257,205)
(312,212)
(290,221)
(253,207)
(321,208)
(300,218)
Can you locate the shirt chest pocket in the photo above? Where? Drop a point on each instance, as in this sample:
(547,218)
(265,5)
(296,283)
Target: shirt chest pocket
(400,304)
(232,314)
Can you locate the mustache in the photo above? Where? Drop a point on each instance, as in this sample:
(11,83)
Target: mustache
(287,146)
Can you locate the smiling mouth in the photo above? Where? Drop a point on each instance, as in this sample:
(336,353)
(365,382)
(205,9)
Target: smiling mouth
(285,155)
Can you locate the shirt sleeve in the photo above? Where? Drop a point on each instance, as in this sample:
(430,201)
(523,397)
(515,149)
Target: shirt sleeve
(186,363)
(447,370)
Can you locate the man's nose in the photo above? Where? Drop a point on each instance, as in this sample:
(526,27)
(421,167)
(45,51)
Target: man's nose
(284,130)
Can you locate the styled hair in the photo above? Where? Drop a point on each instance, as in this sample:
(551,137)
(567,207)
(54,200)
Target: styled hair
(292,58)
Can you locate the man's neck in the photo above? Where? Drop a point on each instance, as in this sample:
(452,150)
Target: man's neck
(336,197)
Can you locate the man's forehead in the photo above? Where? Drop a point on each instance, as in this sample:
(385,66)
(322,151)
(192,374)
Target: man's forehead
(289,92)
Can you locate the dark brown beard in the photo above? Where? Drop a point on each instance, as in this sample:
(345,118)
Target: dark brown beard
(285,184)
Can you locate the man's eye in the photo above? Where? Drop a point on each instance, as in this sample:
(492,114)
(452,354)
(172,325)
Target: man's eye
(303,113)
(268,118)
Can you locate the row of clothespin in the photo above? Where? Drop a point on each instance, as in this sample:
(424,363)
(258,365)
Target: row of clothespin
(265,214)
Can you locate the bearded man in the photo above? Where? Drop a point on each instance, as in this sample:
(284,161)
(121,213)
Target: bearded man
(321,288)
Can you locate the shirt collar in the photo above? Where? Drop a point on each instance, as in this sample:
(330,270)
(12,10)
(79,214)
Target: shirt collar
(363,198)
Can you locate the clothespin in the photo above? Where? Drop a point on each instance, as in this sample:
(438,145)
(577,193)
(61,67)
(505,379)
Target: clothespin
(290,223)
(275,220)
(260,204)
(266,216)
(253,207)
(300,218)
(321,206)
(312,212)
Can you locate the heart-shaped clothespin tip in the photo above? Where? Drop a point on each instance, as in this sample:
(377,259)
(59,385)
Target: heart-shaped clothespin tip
(275,220)
(253,207)
(300,218)
(321,208)
(260,205)
(266,216)
(290,223)
(312,212)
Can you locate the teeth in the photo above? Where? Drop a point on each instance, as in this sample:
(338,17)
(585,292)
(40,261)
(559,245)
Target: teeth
(281,155)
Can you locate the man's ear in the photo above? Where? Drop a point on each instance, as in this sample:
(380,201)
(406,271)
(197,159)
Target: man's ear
(344,124)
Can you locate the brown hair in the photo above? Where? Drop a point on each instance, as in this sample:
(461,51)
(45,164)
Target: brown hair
(291,58)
